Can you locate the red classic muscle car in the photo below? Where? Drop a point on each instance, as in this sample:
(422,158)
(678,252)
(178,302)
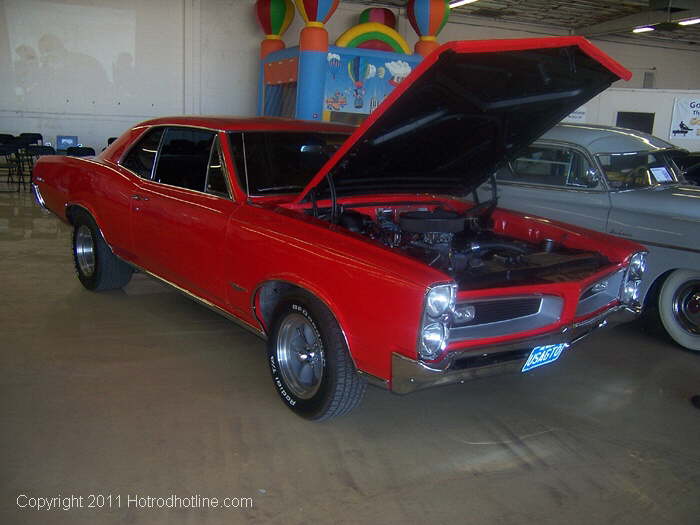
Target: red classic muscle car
(363,255)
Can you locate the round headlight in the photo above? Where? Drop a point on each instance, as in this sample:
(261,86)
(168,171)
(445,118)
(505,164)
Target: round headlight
(638,265)
(433,339)
(440,299)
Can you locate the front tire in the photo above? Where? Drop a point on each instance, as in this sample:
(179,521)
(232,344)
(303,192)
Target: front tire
(309,360)
(679,308)
(97,267)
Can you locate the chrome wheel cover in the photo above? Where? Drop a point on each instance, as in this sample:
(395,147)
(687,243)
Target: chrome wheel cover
(85,250)
(686,306)
(300,355)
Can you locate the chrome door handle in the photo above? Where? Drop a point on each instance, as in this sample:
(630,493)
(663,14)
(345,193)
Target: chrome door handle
(139,198)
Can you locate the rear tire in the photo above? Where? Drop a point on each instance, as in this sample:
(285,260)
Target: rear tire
(679,308)
(309,360)
(97,267)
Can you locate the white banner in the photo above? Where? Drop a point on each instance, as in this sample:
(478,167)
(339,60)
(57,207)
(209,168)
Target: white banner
(685,123)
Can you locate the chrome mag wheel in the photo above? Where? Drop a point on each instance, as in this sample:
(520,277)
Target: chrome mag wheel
(686,306)
(85,250)
(300,355)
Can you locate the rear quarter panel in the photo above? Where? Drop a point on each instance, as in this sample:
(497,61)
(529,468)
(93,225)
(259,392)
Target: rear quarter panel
(104,191)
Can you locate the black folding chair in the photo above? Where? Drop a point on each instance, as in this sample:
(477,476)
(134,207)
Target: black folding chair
(9,163)
(24,161)
(33,138)
(80,151)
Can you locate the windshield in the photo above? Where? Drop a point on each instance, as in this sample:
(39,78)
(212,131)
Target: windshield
(638,169)
(279,162)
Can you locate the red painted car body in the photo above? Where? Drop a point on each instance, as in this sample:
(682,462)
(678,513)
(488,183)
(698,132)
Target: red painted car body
(230,252)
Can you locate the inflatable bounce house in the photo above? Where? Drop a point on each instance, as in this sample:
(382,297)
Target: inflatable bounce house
(347,81)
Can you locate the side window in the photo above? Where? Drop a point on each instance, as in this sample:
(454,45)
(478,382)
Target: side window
(184,158)
(216,174)
(142,156)
(550,166)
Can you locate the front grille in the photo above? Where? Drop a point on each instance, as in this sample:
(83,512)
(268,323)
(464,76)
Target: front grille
(495,311)
(506,315)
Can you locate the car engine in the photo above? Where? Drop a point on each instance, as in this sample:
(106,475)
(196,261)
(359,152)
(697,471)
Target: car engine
(465,247)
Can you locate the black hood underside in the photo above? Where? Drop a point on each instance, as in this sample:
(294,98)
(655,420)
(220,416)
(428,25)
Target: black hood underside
(464,117)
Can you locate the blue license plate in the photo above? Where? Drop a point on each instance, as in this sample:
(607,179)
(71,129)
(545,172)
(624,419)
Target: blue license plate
(543,355)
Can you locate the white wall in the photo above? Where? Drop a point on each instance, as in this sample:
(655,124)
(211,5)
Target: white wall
(603,109)
(93,68)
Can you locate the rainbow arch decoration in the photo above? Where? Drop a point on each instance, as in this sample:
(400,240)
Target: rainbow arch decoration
(374,35)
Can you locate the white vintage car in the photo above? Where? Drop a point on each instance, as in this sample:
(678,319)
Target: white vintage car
(625,183)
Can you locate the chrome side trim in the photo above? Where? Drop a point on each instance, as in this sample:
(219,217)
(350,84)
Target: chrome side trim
(202,301)
(409,375)
(661,245)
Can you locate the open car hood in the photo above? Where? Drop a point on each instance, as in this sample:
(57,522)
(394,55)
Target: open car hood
(465,110)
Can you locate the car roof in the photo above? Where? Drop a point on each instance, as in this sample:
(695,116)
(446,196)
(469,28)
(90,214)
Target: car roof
(606,139)
(229,123)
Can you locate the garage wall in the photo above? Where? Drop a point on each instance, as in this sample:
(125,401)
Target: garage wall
(88,68)
(603,109)
(93,68)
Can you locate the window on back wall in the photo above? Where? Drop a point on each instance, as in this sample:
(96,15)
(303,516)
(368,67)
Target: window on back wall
(633,120)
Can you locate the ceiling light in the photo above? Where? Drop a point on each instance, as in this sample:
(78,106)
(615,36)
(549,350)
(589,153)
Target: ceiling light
(642,29)
(689,22)
(457,3)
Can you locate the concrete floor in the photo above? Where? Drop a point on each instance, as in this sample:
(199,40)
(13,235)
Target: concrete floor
(144,392)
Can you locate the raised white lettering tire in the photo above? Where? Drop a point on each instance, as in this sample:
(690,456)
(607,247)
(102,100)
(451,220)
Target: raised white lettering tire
(309,360)
(679,308)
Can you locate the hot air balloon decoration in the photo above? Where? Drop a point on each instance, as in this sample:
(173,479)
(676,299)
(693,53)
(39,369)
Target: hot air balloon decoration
(427,17)
(380,15)
(274,17)
(358,71)
(333,63)
(315,13)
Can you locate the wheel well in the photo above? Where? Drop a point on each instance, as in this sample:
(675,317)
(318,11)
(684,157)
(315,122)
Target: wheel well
(652,295)
(73,210)
(268,297)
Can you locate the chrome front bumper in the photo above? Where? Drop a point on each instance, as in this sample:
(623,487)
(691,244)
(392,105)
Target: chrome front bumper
(409,375)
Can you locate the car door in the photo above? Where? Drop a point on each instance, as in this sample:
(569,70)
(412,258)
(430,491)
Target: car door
(557,181)
(180,215)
